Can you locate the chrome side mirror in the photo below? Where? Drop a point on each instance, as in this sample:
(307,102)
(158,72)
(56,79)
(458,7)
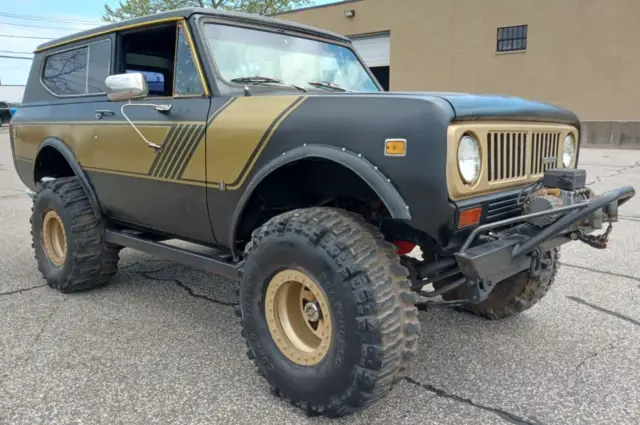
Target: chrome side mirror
(127,86)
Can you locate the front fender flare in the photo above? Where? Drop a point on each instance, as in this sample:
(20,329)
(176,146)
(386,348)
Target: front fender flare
(368,172)
(70,157)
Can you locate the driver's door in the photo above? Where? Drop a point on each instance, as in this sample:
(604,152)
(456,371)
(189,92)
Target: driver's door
(161,189)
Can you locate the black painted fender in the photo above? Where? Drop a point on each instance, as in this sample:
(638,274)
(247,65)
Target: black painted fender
(70,157)
(368,172)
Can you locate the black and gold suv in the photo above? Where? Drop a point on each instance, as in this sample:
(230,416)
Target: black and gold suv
(272,144)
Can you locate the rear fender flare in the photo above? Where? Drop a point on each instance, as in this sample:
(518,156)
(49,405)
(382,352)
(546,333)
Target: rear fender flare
(364,169)
(70,157)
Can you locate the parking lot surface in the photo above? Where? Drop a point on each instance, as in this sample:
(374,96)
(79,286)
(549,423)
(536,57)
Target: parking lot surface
(161,344)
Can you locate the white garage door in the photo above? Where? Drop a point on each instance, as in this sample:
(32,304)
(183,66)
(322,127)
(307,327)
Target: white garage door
(374,49)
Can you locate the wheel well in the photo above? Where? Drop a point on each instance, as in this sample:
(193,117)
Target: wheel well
(51,163)
(305,183)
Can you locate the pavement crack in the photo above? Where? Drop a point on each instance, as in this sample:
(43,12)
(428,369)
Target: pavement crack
(622,170)
(139,263)
(47,320)
(604,310)
(591,269)
(148,274)
(188,289)
(597,352)
(19,291)
(507,416)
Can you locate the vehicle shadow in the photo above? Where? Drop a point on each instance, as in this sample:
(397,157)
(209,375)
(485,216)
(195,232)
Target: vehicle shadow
(453,343)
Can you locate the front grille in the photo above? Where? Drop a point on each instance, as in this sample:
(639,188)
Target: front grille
(544,152)
(509,156)
(506,152)
(503,208)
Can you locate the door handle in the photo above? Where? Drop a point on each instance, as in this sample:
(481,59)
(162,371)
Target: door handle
(103,112)
(163,108)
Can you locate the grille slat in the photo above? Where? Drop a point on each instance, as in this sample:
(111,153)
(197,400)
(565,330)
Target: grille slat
(507,154)
(545,152)
(503,160)
(534,152)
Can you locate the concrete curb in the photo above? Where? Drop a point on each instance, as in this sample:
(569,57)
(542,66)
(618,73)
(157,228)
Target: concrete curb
(611,134)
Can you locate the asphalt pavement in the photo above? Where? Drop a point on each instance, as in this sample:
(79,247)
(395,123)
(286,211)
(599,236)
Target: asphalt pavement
(161,343)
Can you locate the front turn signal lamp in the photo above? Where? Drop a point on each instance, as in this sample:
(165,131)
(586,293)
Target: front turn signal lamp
(469,217)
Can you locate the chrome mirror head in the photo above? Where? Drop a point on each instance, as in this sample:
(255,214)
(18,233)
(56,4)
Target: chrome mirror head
(127,86)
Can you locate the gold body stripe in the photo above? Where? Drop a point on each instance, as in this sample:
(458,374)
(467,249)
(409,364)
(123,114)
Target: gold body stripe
(236,135)
(236,138)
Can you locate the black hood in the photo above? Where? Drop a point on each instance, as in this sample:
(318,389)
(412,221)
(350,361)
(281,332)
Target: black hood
(496,107)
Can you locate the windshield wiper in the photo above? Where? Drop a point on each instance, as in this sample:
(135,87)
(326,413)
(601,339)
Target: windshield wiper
(260,80)
(326,85)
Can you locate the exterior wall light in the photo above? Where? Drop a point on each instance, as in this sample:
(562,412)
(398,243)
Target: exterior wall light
(349,13)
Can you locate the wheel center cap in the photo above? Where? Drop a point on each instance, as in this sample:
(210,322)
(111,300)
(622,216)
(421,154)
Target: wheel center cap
(312,311)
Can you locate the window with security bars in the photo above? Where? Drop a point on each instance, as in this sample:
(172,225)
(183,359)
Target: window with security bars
(512,39)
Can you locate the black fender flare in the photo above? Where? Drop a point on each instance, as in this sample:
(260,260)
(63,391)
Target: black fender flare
(362,167)
(70,157)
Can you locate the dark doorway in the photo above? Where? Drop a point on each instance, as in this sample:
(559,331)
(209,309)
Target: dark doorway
(382,75)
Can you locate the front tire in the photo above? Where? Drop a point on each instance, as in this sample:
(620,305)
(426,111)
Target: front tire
(326,310)
(515,294)
(68,239)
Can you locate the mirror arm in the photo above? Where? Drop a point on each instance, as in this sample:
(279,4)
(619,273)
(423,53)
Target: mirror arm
(150,144)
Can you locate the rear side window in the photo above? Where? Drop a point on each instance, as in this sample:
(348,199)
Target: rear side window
(79,71)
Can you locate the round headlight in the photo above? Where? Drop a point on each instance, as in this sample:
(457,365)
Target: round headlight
(568,151)
(469,159)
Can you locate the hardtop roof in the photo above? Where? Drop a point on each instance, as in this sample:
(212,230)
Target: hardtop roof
(186,13)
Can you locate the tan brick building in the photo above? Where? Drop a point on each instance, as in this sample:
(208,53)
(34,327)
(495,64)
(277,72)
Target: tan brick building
(580,54)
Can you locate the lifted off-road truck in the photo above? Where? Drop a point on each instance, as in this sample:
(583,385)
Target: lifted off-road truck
(272,144)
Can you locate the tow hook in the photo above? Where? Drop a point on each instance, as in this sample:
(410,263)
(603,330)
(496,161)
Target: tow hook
(536,262)
(539,260)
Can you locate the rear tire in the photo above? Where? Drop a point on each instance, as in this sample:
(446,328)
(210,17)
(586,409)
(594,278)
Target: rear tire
(68,239)
(361,292)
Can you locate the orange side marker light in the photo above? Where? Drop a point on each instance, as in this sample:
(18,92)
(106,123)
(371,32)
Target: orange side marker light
(469,217)
(395,147)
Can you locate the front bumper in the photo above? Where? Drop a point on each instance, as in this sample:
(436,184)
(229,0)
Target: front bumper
(498,250)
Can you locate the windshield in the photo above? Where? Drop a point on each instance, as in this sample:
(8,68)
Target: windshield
(243,52)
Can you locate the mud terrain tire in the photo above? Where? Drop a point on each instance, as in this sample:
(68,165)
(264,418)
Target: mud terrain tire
(516,294)
(81,259)
(374,323)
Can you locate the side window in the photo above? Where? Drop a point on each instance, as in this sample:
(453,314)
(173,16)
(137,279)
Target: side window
(65,73)
(163,54)
(99,66)
(79,71)
(187,79)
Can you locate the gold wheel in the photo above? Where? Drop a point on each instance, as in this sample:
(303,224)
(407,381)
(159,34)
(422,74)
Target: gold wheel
(54,238)
(298,317)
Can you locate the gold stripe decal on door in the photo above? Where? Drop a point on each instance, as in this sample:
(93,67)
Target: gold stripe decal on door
(190,133)
(165,144)
(167,150)
(238,136)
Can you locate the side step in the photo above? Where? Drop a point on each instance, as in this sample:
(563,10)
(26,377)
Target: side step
(174,253)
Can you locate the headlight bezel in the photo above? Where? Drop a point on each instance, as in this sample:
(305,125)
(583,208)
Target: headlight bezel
(574,149)
(478,146)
